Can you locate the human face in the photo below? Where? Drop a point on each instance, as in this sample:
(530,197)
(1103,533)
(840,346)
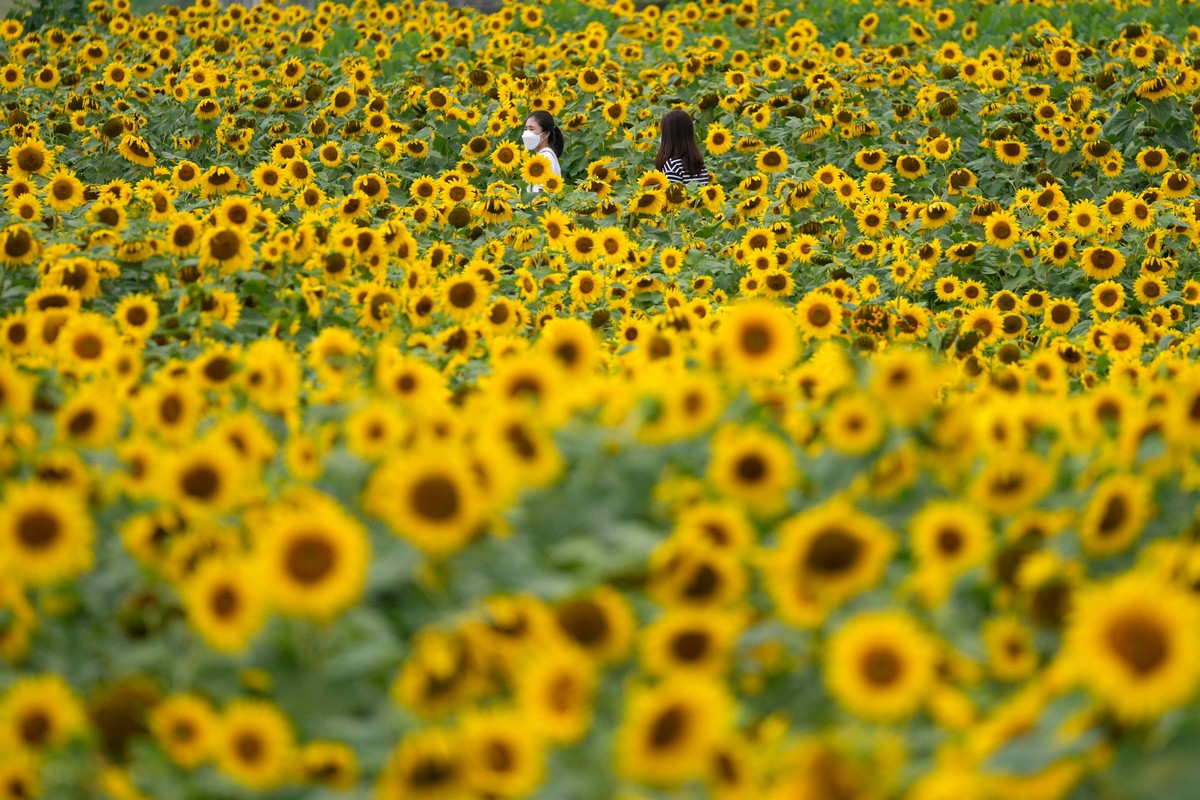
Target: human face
(531,125)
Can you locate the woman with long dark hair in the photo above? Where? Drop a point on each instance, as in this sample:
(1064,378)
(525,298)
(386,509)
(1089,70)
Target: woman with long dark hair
(543,137)
(679,155)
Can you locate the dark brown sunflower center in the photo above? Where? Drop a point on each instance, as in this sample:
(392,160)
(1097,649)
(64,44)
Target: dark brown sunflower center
(690,646)
(1139,642)
(832,551)
(584,622)
(1116,512)
(38,530)
(224,245)
(668,728)
(435,498)
(225,602)
(881,667)
(35,728)
(310,559)
(751,468)
(249,748)
(200,482)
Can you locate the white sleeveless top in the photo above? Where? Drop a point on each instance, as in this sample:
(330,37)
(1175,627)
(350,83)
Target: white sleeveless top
(554,166)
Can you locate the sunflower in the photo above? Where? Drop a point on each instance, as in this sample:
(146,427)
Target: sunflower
(135,150)
(429,765)
(1135,644)
(826,555)
(669,730)
(948,537)
(19,772)
(1002,229)
(1101,263)
(1149,289)
(752,467)
(853,424)
(1012,483)
(87,344)
(255,745)
(1175,184)
(1012,655)
(1108,297)
(203,477)
(880,666)
(600,623)
(718,140)
(536,169)
(1061,315)
(28,158)
(18,246)
(758,340)
(431,500)
(64,191)
(502,755)
(555,692)
(1011,151)
(316,558)
(16,391)
(572,344)
(45,533)
(1115,515)
(1153,160)
(185,726)
(771,161)
(819,315)
(39,713)
(689,640)
(226,248)
(330,764)
(225,603)
(910,166)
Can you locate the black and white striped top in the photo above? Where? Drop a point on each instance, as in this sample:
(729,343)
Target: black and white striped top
(676,173)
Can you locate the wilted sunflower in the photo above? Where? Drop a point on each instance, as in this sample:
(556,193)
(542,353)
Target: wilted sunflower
(136,151)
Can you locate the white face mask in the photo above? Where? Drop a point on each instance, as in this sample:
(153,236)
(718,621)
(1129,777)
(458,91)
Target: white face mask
(531,139)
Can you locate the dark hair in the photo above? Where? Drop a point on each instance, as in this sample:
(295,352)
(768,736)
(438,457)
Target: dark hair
(679,141)
(545,121)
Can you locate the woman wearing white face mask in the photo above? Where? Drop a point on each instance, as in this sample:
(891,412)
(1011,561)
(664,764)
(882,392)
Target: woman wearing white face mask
(544,138)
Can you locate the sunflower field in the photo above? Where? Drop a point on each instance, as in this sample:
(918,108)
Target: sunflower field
(336,462)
